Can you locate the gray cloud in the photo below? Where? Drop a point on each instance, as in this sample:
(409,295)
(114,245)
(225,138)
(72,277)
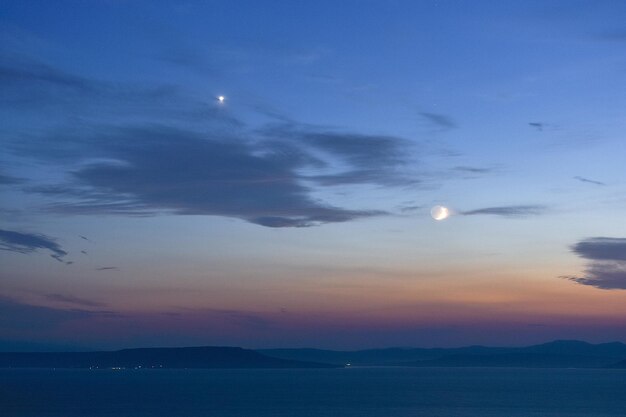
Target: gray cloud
(27,243)
(508,211)
(162,169)
(352,158)
(537,125)
(603,275)
(407,209)
(106,268)
(601,248)
(587,180)
(606,268)
(439,120)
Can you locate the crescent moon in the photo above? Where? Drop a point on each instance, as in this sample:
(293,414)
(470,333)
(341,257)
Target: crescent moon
(439,213)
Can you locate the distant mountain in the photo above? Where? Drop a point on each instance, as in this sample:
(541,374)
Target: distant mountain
(515,360)
(575,347)
(559,354)
(192,357)
(357,357)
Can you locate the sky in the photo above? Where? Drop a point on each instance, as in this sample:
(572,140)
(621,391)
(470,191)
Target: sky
(137,209)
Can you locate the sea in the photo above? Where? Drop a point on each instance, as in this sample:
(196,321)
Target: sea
(346,392)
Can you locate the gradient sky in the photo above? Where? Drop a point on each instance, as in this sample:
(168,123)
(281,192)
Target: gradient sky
(137,210)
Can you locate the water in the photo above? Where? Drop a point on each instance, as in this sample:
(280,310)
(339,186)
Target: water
(362,392)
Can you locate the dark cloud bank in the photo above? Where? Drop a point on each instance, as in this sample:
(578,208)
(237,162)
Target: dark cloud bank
(606,268)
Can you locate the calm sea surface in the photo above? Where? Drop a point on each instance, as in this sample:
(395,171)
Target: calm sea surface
(362,392)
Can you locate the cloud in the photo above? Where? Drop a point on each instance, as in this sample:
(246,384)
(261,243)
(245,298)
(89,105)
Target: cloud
(351,158)
(152,169)
(19,72)
(606,268)
(17,317)
(213,167)
(537,125)
(8,180)
(508,211)
(473,170)
(603,275)
(106,268)
(27,243)
(601,248)
(439,120)
(587,180)
(31,85)
(70,299)
(407,209)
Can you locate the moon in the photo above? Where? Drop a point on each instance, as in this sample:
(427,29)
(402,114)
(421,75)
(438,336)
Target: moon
(439,213)
(221,99)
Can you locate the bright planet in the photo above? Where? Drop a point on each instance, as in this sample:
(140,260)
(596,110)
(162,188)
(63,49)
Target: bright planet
(439,213)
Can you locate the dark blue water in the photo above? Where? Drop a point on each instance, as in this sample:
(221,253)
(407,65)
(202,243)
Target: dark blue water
(362,392)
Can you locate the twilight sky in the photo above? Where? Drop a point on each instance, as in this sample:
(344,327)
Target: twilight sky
(138,210)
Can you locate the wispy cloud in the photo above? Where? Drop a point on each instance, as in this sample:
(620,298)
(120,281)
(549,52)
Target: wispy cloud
(15,72)
(587,180)
(508,211)
(537,125)
(407,209)
(8,179)
(439,120)
(106,268)
(349,158)
(18,318)
(606,268)
(70,299)
(27,243)
(164,169)
(31,85)
(473,170)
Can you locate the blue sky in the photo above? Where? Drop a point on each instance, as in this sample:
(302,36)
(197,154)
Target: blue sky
(297,211)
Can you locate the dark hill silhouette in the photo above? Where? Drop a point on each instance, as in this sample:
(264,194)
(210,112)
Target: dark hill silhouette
(560,354)
(190,357)
(515,360)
